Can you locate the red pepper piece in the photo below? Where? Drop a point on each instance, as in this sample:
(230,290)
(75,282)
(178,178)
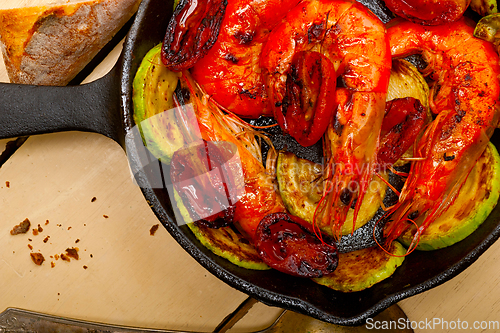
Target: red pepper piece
(191,32)
(309,101)
(403,121)
(207,195)
(289,247)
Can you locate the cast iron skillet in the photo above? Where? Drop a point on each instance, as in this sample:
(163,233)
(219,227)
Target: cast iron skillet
(104,107)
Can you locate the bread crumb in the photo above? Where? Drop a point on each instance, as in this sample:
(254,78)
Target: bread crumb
(40,228)
(30,247)
(153,229)
(77,240)
(7,184)
(46,239)
(64,257)
(37,258)
(52,264)
(93,199)
(85,267)
(72,252)
(35,232)
(105,216)
(21,228)
(46,222)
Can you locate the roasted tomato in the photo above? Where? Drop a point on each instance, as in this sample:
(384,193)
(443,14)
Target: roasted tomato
(205,177)
(286,244)
(403,121)
(191,32)
(307,106)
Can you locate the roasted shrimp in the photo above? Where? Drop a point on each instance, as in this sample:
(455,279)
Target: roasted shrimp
(230,72)
(344,39)
(260,196)
(465,97)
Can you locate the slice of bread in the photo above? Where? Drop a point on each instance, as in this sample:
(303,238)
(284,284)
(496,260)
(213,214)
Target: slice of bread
(49,44)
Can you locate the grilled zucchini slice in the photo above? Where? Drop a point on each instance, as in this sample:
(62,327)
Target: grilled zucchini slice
(301,187)
(361,269)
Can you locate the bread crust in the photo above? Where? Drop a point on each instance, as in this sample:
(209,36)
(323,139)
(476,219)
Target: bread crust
(50,45)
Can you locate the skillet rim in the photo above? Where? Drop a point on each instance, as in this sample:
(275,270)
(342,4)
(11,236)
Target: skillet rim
(128,65)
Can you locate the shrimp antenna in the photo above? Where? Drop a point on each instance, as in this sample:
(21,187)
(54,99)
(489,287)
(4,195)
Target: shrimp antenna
(317,210)
(410,248)
(398,173)
(388,184)
(382,205)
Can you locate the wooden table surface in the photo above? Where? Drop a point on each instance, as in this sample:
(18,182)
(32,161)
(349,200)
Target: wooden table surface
(78,188)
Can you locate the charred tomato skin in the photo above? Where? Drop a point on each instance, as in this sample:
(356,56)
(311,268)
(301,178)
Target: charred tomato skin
(206,198)
(287,245)
(191,33)
(403,122)
(308,105)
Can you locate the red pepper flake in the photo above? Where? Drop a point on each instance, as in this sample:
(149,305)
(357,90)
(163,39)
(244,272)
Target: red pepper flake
(52,264)
(153,229)
(7,183)
(105,216)
(69,228)
(21,228)
(37,258)
(30,247)
(56,256)
(46,222)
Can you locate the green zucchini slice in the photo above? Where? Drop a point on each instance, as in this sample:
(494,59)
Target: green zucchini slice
(487,28)
(484,7)
(361,269)
(300,185)
(227,243)
(154,112)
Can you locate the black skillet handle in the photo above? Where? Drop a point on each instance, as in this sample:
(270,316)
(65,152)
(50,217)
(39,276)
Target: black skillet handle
(92,107)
